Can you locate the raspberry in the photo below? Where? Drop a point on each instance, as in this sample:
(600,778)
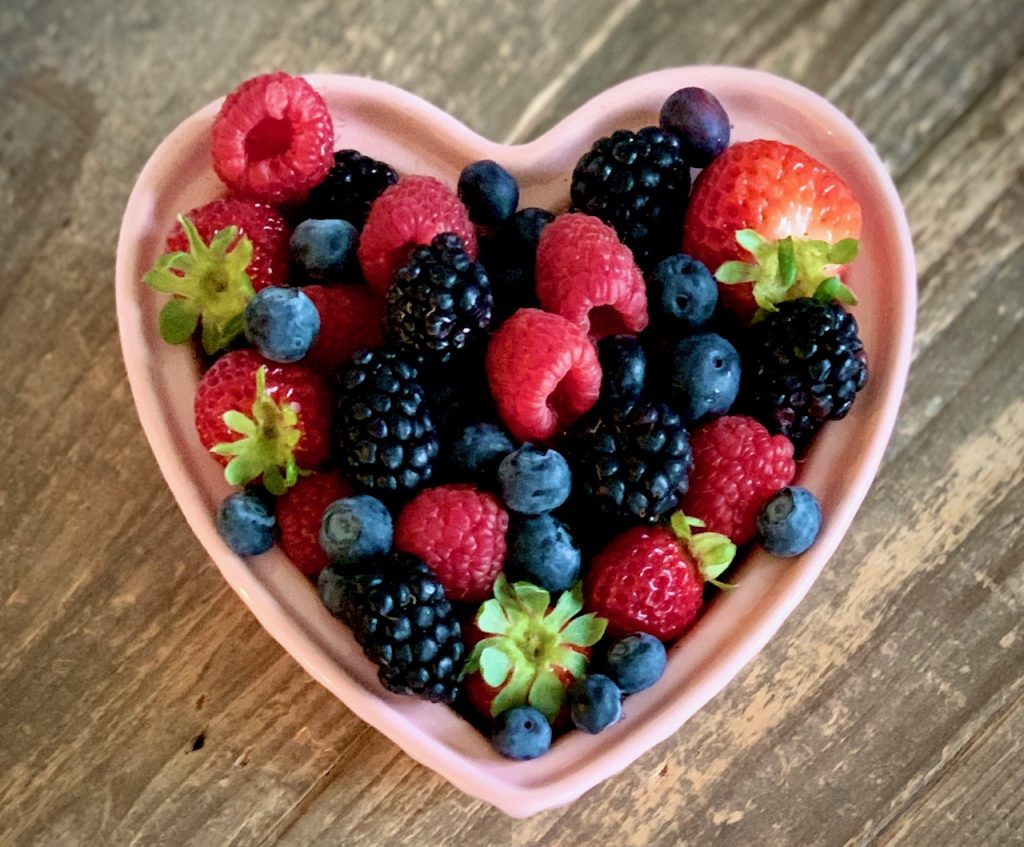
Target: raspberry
(460,532)
(543,372)
(299,512)
(261,224)
(645,581)
(273,138)
(351,319)
(737,466)
(585,274)
(407,214)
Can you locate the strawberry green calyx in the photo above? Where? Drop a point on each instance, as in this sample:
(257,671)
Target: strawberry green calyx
(267,444)
(532,651)
(210,284)
(790,268)
(713,551)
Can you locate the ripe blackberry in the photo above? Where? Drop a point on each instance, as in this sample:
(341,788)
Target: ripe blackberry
(386,436)
(638,183)
(633,462)
(347,191)
(398,613)
(804,364)
(439,301)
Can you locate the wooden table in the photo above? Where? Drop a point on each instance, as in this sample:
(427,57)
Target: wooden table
(142,704)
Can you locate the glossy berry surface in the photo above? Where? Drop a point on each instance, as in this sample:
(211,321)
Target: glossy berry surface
(623,369)
(595,703)
(697,119)
(282,323)
(704,376)
(299,512)
(789,522)
(246,524)
(521,733)
(489,192)
(542,551)
(477,449)
(636,662)
(349,189)
(681,295)
(324,249)
(534,479)
(510,255)
(354,529)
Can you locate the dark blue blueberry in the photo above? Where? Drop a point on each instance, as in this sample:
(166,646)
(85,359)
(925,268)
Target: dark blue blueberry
(355,528)
(324,249)
(478,448)
(522,232)
(623,368)
(521,733)
(534,479)
(595,703)
(282,323)
(246,524)
(636,662)
(700,123)
(489,192)
(681,295)
(704,376)
(789,522)
(541,551)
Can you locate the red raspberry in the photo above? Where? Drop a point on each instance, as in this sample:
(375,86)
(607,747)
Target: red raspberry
(585,274)
(460,532)
(299,512)
(273,138)
(543,372)
(645,580)
(409,213)
(261,224)
(351,319)
(737,466)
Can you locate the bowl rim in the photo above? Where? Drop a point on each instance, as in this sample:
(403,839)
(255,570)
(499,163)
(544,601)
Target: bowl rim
(513,798)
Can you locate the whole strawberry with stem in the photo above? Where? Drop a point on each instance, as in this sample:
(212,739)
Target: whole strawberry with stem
(651,579)
(263,420)
(772,223)
(529,652)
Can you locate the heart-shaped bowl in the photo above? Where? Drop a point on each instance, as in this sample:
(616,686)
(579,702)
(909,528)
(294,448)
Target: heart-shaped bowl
(416,137)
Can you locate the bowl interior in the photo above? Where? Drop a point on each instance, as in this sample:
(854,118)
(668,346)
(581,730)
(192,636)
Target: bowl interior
(415,137)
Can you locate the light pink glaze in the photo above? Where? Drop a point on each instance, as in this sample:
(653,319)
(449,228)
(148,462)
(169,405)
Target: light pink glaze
(415,137)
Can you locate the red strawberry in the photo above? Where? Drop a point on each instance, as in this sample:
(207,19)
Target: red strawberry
(460,532)
(273,138)
(351,319)
(299,511)
(585,274)
(803,217)
(737,466)
(651,579)
(407,214)
(529,652)
(543,372)
(259,417)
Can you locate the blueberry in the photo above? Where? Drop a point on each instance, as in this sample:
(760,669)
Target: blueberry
(681,294)
(478,448)
(489,192)
(324,249)
(245,523)
(541,551)
(789,522)
(522,231)
(282,323)
(624,369)
(704,375)
(700,123)
(331,587)
(636,662)
(354,529)
(534,480)
(595,703)
(521,733)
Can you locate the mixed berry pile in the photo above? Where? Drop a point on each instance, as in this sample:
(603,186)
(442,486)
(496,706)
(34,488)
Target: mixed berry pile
(517,449)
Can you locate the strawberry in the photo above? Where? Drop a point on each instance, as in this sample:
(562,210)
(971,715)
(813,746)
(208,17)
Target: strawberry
(528,652)
(773,224)
(351,319)
(259,418)
(651,579)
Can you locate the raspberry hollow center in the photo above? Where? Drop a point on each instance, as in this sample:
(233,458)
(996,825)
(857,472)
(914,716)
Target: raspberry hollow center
(270,138)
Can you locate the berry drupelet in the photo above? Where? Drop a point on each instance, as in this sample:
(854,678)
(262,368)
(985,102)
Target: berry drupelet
(350,187)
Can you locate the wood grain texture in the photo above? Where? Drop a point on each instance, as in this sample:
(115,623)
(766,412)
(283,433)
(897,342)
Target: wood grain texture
(140,702)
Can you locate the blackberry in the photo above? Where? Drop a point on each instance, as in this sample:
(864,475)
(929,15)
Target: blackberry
(638,183)
(386,436)
(349,189)
(803,366)
(440,300)
(633,462)
(398,613)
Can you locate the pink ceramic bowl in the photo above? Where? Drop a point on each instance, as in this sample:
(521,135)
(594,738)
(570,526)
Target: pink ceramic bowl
(415,137)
